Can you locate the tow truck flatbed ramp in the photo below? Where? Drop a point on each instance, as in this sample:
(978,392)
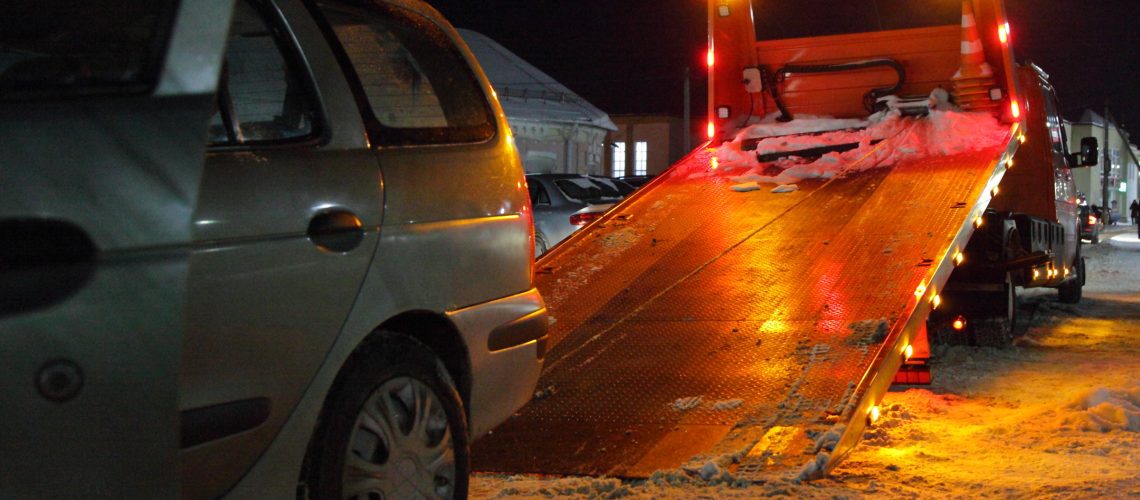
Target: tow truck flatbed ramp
(696,321)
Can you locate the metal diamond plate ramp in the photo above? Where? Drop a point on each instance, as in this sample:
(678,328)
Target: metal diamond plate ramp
(694,319)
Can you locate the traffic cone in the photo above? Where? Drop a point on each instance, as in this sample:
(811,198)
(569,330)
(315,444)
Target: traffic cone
(975,76)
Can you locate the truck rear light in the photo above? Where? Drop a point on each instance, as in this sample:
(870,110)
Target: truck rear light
(1092,220)
(712,130)
(1003,33)
(710,58)
(1015,109)
(584,218)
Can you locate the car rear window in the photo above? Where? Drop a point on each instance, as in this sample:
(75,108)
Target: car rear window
(55,47)
(419,88)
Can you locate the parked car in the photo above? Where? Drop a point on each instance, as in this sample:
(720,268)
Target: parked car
(1090,222)
(288,311)
(564,203)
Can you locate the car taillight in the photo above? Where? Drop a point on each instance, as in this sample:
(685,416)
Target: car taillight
(1092,220)
(584,218)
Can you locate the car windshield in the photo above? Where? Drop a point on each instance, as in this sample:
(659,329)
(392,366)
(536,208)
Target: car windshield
(612,188)
(779,19)
(582,189)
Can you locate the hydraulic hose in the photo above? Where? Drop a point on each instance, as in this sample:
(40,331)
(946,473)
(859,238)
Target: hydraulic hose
(868,99)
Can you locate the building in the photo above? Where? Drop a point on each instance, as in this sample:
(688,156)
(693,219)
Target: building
(1122,171)
(556,131)
(644,144)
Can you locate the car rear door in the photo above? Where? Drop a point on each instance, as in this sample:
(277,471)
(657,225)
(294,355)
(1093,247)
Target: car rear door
(105,105)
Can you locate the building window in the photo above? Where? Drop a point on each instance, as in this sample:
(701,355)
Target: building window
(641,157)
(619,159)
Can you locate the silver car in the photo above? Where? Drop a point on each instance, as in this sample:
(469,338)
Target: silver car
(291,257)
(564,203)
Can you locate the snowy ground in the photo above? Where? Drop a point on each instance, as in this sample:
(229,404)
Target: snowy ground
(1057,415)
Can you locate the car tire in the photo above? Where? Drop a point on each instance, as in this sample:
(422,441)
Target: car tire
(540,244)
(393,427)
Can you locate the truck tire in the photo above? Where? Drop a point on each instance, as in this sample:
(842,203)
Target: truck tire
(1070,291)
(995,320)
(394,427)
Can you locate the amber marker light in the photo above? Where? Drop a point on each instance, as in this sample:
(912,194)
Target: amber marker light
(1009,162)
(714,163)
(908,351)
(959,323)
(978,221)
(935,301)
(1066,271)
(712,130)
(873,415)
(709,58)
(959,258)
(921,289)
(1015,109)
(1003,33)
(1036,274)
(994,191)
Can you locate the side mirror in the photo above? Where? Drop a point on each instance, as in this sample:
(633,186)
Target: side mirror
(1088,155)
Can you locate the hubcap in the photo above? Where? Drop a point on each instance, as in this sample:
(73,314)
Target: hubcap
(400,445)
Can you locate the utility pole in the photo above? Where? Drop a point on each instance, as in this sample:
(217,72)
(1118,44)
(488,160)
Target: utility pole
(1106,167)
(688,119)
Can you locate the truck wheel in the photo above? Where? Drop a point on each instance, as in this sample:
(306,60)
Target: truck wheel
(394,427)
(995,316)
(1070,291)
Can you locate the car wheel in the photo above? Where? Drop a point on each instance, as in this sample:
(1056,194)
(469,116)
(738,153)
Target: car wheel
(393,428)
(540,244)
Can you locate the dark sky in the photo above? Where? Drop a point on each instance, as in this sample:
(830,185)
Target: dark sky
(629,56)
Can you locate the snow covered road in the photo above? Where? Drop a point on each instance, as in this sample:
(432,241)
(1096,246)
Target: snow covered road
(1057,415)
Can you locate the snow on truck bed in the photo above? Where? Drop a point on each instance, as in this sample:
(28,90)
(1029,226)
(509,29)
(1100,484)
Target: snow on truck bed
(942,132)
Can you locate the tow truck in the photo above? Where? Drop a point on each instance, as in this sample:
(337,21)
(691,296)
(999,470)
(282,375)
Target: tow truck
(750,307)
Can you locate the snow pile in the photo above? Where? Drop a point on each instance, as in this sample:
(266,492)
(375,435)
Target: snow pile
(883,139)
(1105,410)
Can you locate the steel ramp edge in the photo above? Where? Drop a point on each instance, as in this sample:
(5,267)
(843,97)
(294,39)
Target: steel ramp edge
(877,380)
(694,286)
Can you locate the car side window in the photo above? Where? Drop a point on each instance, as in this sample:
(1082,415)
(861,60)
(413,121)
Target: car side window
(538,194)
(260,97)
(418,87)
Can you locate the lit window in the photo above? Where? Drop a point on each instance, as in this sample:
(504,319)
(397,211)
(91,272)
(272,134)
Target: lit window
(619,159)
(641,157)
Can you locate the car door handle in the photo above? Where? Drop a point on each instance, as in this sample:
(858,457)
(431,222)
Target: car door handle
(336,231)
(42,262)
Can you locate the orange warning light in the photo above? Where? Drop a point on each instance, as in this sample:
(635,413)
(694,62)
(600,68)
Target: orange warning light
(959,323)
